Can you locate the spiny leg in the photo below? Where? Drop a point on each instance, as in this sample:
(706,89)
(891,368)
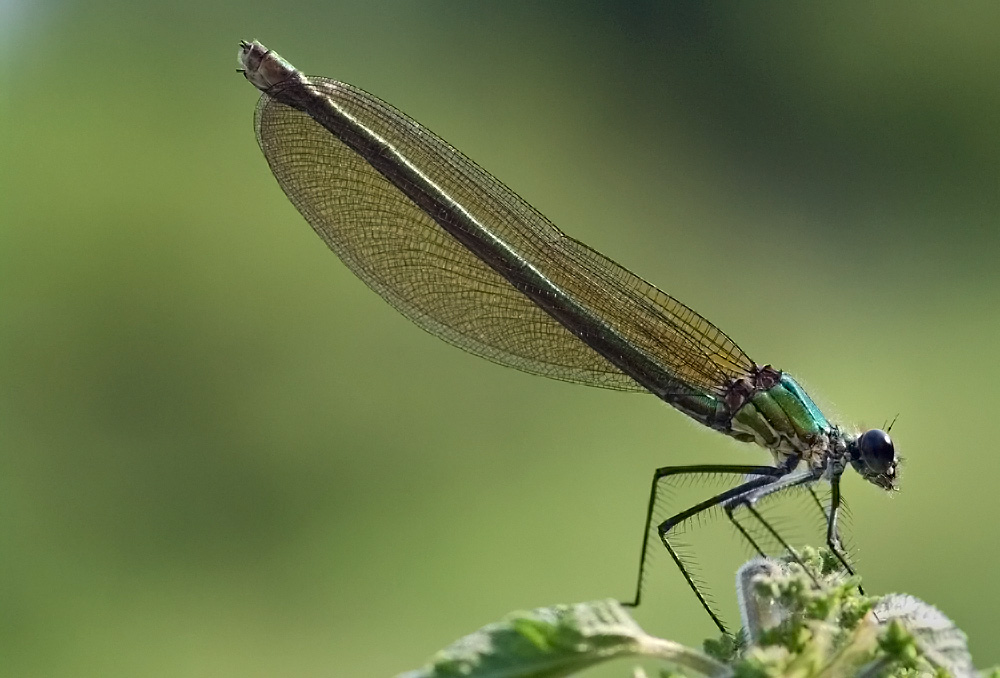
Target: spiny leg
(832,535)
(819,503)
(744,533)
(748,500)
(662,474)
(699,594)
(832,532)
(833,541)
(766,474)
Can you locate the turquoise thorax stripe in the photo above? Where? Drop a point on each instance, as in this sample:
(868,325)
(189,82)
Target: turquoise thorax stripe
(811,409)
(782,415)
(784,411)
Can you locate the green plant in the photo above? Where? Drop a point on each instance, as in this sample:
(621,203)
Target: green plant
(801,618)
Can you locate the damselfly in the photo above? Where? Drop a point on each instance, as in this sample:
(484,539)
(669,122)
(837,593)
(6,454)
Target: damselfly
(468,260)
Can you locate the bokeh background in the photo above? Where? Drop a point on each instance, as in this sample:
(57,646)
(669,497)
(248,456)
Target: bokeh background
(223,456)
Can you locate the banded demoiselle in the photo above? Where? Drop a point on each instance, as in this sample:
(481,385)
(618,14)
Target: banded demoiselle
(465,258)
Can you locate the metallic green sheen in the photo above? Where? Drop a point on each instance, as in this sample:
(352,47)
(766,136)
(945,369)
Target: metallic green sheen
(705,409)
(789,411)
(785,412)
(751,418)
(814,412)
(782,413)
(768,404)
(803,424)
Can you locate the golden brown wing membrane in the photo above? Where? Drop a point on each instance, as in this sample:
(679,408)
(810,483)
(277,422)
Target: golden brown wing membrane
(426,274)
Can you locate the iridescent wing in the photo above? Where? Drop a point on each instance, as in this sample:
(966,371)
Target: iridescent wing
(430,277)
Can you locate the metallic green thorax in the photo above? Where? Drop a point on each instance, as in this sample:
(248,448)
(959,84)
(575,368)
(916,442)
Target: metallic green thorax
(784,418)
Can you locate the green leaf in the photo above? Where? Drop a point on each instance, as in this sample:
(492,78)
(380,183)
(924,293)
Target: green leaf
(558,641)
(934,635)
(802,617)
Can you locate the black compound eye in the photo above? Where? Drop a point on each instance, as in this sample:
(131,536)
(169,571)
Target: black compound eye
(877,450)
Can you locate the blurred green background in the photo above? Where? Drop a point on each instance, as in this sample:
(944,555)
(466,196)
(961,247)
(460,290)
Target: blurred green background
(223,456)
